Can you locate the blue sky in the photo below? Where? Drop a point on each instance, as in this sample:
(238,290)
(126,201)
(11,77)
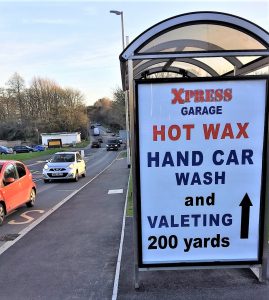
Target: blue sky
(77,43)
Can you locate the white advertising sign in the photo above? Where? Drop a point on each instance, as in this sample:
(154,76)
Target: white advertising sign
(200,162)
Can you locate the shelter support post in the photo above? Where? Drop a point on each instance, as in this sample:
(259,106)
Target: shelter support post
(127,128)
(134,170)
(263,274)
(127,120)
(235,70)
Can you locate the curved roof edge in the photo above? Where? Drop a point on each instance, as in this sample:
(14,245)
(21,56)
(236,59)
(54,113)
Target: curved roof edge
(211,16)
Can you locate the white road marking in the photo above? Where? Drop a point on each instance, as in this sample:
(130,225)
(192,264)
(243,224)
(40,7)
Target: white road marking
(117,273)
(119,191)
(23,232)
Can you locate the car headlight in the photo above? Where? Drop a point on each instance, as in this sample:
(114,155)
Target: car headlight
(71,166)
(46,167)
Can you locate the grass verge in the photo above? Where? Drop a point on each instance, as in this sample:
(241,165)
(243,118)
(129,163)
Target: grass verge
(129,212)
(83,144)
(30,155)
(123,154)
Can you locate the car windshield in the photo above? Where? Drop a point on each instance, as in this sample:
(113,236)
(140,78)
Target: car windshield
(63,158)
(112,141)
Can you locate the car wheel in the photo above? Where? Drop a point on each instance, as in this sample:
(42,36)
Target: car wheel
(84,174)
(31,203)
(2,214)
(46,180)
(76,177)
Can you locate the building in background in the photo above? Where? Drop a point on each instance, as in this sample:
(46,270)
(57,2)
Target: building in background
(67,138)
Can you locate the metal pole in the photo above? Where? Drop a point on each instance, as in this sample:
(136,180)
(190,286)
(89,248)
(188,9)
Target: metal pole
(122,30)
(134,171)
(126,92)
(127,121)
(235,70)
(263,274)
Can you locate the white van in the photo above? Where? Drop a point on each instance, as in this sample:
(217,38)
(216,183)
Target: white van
(96,131)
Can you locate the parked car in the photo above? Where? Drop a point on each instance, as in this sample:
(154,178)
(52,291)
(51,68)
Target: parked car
(112,145)
(38,148)
(22,149)
(96,144)
(64,165)
(100,140)
(5,150)
(17,187)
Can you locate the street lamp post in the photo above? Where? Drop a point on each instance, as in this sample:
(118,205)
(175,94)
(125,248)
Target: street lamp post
(120,13)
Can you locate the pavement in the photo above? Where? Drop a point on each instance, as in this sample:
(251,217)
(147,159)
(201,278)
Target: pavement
(232,284)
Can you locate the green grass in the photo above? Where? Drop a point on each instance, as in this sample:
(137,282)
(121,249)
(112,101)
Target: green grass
(30,155)
(83,144)
(129,212)
(123,154)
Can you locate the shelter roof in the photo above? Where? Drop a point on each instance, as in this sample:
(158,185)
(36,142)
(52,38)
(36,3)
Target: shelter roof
(198,44)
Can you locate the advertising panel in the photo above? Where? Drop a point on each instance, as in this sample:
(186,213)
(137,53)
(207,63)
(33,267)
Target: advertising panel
(200,150)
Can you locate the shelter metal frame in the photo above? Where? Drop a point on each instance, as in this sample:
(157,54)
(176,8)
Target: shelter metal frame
(139,64)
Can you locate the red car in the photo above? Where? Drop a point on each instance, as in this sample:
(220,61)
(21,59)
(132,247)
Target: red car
(16,187)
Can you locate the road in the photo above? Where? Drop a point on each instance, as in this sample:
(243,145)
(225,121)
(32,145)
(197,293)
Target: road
(51,194)
(72,254)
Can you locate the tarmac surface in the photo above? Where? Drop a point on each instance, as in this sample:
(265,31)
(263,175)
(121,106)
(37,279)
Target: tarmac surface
(232,284)
(73,255)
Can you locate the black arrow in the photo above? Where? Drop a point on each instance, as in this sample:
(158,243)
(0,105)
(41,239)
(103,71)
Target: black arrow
(245,203)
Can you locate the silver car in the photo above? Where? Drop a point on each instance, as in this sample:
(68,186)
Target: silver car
(64,165)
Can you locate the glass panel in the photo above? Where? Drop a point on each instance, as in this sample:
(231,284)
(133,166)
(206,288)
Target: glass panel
(137,63)
(219,64)
(191,68)
(209,37)
(262,71)
(164,75)
(155,61)
(155,65)
(246,59)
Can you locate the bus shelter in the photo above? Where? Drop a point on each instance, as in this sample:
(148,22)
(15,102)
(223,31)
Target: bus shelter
(194,57)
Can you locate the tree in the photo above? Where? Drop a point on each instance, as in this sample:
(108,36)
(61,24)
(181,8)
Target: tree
(110,113)
(118,109)
(44,106)
(16,86)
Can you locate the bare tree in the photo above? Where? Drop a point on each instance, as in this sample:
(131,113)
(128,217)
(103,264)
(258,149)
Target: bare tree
(16,86)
